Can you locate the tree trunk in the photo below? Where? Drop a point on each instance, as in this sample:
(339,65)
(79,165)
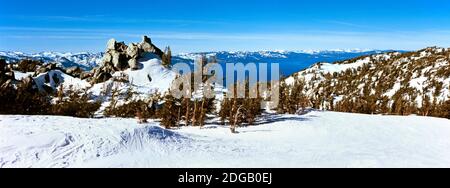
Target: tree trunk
(194,120)
(236,116)
(202,122)
(187,111)
(179,116)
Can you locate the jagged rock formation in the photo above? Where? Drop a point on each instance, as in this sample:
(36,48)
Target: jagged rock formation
(119,57)
(121,63)
(122,56)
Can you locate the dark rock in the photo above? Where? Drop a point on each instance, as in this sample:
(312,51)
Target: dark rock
(47,78)
(111,45)
(133,64)
(147,47)
(121,47)
(145,39)
(56,79)
(51,66)
(102,77)
(28,65)
(133,51)
(47,88)
(2,64)
(120,61)
(86,75)
(74,71)
(42,70)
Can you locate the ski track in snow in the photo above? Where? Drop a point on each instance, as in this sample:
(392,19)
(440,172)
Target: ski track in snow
(318,139)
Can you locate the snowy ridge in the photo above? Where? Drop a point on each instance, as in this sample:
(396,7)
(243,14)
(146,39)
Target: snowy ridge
(85,60)
(272,53)
(426,72)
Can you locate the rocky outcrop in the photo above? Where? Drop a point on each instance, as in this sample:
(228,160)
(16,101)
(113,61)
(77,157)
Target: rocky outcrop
(147,46)
(28,65)
(123,57)
(119,57)
(74,71)
(6,74)
(46,68)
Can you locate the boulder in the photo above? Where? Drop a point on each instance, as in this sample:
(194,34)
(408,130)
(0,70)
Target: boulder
(46,78)
(133,51)
(74,71)
(107,57)
(51,66)
(28,65)
(120,61)
(145,39)
(119,57)
(147,46)
(133,64)
(109,67)
(47,88)
(116,59)
(121,47)
(102,77)
(111,45)
(41,70)
(55,79)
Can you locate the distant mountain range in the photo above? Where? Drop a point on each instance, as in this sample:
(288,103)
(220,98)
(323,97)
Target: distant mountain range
(290,61)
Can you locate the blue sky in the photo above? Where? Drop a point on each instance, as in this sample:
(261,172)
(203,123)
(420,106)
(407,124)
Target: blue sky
(200,25)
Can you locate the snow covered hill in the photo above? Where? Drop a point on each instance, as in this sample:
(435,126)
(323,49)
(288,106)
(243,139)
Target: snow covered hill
(317,139)
(291,61)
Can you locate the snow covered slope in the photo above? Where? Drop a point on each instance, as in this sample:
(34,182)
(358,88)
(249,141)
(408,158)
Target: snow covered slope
(153,77)
(318,139)
(420,78)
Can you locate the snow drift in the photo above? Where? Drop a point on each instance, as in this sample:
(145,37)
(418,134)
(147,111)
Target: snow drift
(318,139)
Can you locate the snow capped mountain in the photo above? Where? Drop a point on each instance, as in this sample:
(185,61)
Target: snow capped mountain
(84,60)
(290,61)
